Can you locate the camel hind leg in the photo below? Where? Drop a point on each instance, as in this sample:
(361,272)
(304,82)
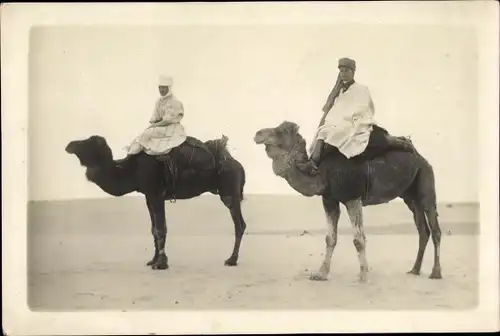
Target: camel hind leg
(233,203)
(432,217)
(231,185)
(426,199)
(423,231)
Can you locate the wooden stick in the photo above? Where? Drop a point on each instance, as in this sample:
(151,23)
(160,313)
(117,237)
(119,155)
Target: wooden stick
(329,101)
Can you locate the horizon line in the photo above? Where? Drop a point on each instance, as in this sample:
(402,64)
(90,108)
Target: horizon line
(443,202)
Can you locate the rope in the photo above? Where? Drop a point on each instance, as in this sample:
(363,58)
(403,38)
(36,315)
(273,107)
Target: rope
(172,170)
(171,167)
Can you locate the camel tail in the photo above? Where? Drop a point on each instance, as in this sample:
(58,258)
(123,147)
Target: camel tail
(242,186)
(426,185)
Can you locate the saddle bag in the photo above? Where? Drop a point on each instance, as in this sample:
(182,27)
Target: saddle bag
(193,153)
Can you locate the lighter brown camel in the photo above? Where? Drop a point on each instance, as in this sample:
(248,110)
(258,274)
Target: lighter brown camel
(357,184)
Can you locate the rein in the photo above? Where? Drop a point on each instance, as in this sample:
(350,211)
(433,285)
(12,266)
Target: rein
(291,157)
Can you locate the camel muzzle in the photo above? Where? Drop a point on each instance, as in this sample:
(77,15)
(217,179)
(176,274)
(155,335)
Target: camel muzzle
(71,147)
(262,136)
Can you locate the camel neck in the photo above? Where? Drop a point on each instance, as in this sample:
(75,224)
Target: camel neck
(111,179)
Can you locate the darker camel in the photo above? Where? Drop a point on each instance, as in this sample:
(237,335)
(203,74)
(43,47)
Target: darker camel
(149,175)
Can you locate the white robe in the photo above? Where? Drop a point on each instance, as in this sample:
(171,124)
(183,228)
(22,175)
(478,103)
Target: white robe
(349,123)
(157,140)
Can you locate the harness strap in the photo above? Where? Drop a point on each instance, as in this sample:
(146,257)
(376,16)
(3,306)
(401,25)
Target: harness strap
(191,157)
(194,145)
(368,177)
(172,170)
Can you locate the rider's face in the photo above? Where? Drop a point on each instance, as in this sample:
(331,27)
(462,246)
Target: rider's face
(346,74)
(163,89)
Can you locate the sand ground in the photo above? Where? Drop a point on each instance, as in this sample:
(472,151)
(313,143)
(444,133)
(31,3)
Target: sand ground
(90,255)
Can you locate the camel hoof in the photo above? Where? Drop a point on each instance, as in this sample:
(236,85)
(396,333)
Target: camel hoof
(159,266)
(435,275)
(161,263)
(232,261)
(362,278)
(413,272)
(152,261)
(318,277)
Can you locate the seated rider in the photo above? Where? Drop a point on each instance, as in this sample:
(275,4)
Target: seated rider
(165,132)
(348,123)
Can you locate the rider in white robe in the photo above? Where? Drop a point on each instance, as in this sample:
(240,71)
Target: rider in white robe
(165,131)
(348,122)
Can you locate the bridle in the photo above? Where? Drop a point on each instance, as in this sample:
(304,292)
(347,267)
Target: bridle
(291,157)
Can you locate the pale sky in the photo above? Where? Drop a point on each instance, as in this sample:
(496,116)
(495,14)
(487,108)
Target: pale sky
(234,80)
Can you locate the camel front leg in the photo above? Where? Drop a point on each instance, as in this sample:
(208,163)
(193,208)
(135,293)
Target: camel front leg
(355,211)
(153,232)
(156,207)
(332,211)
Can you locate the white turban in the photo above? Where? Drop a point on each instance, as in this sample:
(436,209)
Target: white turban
(165,81)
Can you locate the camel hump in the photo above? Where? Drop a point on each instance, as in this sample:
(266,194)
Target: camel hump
(183,150)
(195,142)
(223,140)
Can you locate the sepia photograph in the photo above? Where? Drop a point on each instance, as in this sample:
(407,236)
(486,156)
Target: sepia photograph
(250,167)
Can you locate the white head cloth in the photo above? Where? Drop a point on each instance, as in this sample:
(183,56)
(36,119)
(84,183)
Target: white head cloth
(165,81)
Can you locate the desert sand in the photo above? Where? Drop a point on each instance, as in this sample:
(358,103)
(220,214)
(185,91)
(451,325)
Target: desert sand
(91,255)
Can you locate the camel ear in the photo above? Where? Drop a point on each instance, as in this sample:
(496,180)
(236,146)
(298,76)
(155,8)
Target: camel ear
(100,141)
(224,140)
(291,127)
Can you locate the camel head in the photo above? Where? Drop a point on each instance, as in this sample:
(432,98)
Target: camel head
(281,140)
(92,152)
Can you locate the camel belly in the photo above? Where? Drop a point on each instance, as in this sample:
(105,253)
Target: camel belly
(389,176)
(191,183)
(375,181)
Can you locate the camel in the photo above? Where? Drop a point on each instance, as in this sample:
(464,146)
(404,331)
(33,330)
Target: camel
(357,184)
(159,181)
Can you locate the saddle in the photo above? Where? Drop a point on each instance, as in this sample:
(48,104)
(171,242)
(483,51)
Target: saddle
(192,153)
(189,158)
(355,174)
(377,146)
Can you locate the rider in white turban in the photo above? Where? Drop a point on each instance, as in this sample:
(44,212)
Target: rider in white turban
(348,123)
(165,131)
